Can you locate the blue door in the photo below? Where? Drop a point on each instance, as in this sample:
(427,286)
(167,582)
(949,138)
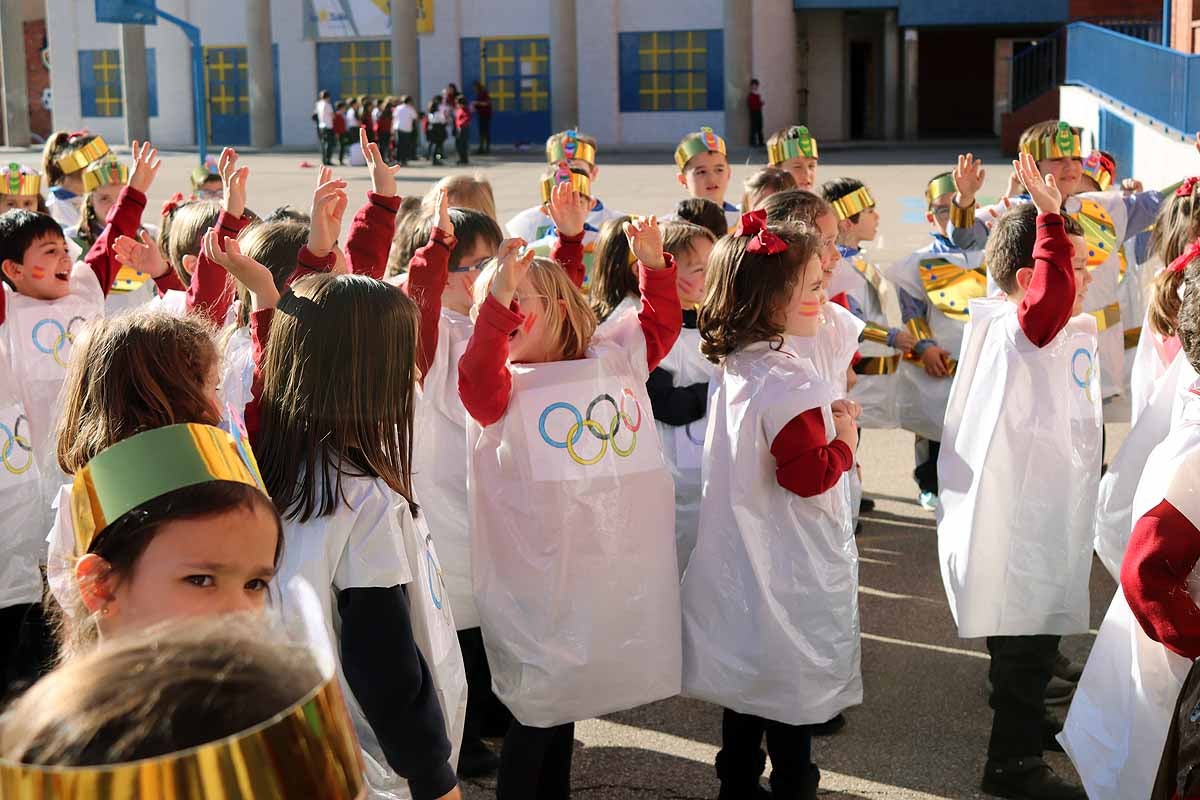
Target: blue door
(516,72)
(227,91)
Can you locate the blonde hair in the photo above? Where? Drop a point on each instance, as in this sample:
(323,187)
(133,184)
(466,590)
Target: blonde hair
(183,227)
(567,310)
(766,182)
(1177,226)
(463,191)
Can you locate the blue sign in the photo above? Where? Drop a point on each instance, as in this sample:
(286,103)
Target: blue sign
(126,12)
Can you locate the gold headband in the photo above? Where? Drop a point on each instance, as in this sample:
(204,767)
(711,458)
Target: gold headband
(18,180)
(1062,143)
(796,142)
(567,146)
(1100,169)
(79,159)
(150,465)
(580,183)
(942,184)
(853,203)
(103,172)
(705,141)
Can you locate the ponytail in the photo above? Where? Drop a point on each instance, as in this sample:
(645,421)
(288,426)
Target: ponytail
(55,144)
(1163,313)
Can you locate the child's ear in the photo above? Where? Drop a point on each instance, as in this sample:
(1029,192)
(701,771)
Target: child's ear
(93,576)
(11,269)
(595,172)
(682,179)
(1024,277)
(189,263)
(844,225)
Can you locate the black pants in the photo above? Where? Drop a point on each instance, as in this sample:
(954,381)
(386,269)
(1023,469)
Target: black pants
(1021,667)
(485,134)
(925,473)
(436,137)
(741,761)
(536,763)
(348,138)
(328,142)
(462,144)
(486,715)
(27,647)
(756,129)
(405,149)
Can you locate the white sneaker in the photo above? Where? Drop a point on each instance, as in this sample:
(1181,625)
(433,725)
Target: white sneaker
(929,501)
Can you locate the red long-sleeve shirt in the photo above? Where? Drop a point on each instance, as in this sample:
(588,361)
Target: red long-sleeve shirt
(754,101)
(484,382)
(1046,308)
(428,274)
(568,252)
(210,292)
(1162,550)
(370,236)
(168,282)
(806,462)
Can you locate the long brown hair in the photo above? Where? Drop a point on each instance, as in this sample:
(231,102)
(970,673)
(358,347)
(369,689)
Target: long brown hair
(276,245)
(182,228)
(745,293)
(131,373)
(59,144)
(339,379)
(613,275)
(1177,226)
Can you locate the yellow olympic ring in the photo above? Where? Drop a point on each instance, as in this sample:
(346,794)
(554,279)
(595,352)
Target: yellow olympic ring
(573,434)
(21,442)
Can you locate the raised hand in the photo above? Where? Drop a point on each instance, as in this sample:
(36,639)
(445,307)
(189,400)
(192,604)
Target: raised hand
(141,254)
(646,241)
(569,209)
(383,177)
(1044,191)
(145,166)
(254,276)
(514,266)
(328,208)
(233,178)
(444,223)
(1014,189)
(1131,185)
(968,179)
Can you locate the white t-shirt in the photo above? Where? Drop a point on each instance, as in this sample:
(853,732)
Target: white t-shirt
(404,117)
(324,114)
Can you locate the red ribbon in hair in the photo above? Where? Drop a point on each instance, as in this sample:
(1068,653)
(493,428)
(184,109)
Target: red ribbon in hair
(1187,187)
(79,134)
(172,205)
(1185,258)
(754,223)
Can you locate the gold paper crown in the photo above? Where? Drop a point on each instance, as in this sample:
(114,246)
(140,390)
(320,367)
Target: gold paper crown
(567,146)
(796,142)
(19,180)
(853,203)
(150,465)
(704,141)
(942,184)
(92,151)
(104,172)
(1062,143)
(1100,168)
(564,174)
(306,751)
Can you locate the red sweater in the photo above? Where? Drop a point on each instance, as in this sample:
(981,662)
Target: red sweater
(484,382)
(428,274)
(1050,298)
(211,291)
(1162,550)
(806,463)
(754,101)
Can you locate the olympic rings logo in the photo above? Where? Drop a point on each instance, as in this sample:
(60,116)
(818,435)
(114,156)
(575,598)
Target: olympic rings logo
(13,437)
(64,337)
(433,568)
(606,435)
(698,441)
(1085,382)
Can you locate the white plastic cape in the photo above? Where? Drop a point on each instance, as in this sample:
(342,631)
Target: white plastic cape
(440,464)
(573,538)
(1114,510)
(770,596)
(22,499)
(1019,464)
(1118,721)
(875,393)
(683,445)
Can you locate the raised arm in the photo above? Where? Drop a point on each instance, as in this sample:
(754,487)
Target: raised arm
(569,210)
(374,225)
(965,230)
(125,217)
(661,316)
(1050,297)
(428,274)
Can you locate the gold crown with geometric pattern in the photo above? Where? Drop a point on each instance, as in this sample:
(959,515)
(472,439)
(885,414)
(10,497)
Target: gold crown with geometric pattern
(79,159)
(794,143)
(104,172)
(16,179)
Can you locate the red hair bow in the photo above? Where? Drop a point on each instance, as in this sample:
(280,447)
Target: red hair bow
(754,223)
(1187,187)
(79,134)
(1186,257)
(172,205)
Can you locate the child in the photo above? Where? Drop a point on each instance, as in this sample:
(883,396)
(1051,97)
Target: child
(1014,532)
(774,519)
(1108,219)
(935,286)
(462,191)
(206,182)
(572,546)
(795,150)
(764,183)
(462,129)
(435,132)
(871,298)
(704,213)
(754,103)
(64,158)
(339,135)
(678,387)
(613,280)
(704,170)
(1122,710)
(579,151)
(211,708)
(20,187)
(338,466)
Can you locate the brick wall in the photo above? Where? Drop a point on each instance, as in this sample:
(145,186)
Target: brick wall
(1082,9)
(37,76)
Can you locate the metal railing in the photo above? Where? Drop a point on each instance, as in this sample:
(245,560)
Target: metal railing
(1144,28)
(1037,69)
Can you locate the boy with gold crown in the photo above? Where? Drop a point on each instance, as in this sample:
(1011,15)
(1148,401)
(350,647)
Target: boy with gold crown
(934,285)
(704,171)
(795,151)
(579,153)
(20,187)
(1108,218)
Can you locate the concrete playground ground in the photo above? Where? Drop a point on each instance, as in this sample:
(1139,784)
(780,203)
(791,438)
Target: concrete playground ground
(922,730)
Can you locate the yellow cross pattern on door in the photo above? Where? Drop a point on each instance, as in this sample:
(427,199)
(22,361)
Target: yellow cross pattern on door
(671,67)
(106,66)
(517,72)
(225,74)
(366,68)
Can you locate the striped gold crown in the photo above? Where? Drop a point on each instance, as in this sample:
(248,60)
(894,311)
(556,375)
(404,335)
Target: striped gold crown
(580,183)
(79,159)
(703,141)
(942,184)
(104,172)
(567,146)
(796,142)
(1062,143)
(853,203)
(16,179)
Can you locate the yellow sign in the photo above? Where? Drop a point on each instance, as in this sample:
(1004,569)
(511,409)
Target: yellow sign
(425,16)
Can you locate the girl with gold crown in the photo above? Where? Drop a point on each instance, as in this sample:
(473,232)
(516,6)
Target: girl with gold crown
(64,158)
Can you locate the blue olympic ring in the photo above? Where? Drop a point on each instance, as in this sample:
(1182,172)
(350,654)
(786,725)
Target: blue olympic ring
(1086,381)
(605,435)
(434,569)
(65,337)
(577,427)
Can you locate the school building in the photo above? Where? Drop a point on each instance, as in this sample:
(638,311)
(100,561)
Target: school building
(630,73)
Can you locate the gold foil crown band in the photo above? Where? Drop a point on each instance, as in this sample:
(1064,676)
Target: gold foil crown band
(795,143)
(942,184)
(19,180)
(564,174)
(853,203)
(1100,168)
(704,141)
(92,151)
(567,146)
(104,172)
(1062,143)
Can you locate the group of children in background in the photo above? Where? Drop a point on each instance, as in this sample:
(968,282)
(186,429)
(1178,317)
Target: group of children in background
(511,478)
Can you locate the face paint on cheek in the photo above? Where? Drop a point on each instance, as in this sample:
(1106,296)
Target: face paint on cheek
(810,308)
(527,325)
(37,273)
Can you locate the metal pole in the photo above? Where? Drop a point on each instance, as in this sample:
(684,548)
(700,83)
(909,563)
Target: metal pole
(1166,23)
(261,72)
(738,66)
(406,70)
(135,83)
(201,121)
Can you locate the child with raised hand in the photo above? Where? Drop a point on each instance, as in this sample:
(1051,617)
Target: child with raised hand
(770,612)
(614,280)
(572,519)
(1015,528)
(793,149)
(338,465)
(704,170)
(64,158)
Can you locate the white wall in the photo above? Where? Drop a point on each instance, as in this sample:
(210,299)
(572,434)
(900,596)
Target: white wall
(826,75)
(1160,158)
(775,62)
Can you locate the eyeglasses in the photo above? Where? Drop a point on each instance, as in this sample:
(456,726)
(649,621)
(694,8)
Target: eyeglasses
(523,299)
(940,211)
(478,265)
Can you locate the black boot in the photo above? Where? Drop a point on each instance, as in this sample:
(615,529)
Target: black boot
(740,778)
(802,787)
(1027,779)
(1051,728)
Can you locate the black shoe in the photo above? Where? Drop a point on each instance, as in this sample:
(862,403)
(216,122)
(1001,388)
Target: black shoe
(1051,728)
(756,792)
(803,787)
(1027,779)
(866,505)
(830,728)
(740,779)
(1058,691)
(476,760)
(1066,669)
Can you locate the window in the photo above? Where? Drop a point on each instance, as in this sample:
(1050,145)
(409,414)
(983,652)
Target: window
(100,91)
(516,71)
(672,71)
(348,69)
